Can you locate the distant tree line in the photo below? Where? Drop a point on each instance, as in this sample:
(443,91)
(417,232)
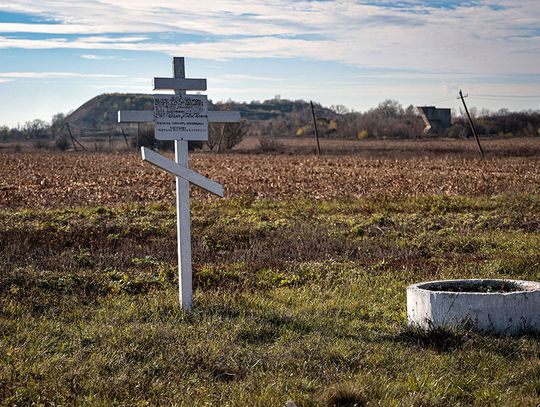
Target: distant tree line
(506,123)
(389,120)
(274,118)
(34,129)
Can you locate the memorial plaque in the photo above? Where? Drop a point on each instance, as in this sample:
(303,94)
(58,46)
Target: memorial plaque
(181,117)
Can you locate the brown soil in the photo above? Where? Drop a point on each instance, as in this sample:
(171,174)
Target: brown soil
(54,180)
(484,287)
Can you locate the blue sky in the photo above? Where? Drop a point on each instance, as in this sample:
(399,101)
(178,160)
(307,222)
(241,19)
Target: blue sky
(54,55)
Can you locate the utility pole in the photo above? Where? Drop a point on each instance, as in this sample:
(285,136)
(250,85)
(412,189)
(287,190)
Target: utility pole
(471,123)
(71,136)
(125,138)
(221,136)
(316,130)
(73,139)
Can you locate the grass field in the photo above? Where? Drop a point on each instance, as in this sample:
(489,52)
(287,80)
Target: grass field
(299,293)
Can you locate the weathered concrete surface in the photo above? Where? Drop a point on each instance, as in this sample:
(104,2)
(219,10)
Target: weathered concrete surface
(497,312)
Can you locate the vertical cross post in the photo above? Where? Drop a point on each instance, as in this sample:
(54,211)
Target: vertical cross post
(182,208)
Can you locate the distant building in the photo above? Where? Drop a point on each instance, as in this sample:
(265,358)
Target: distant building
(436,119)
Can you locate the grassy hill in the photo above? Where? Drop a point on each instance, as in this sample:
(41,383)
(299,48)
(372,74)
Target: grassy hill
(101,112)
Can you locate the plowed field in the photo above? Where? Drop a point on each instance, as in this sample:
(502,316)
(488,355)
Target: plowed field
(70,179)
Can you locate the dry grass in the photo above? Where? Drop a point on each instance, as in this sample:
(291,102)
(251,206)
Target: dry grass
(398,149)
(300,299)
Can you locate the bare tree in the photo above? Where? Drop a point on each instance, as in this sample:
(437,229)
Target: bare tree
(225,136)
(57,123)
(35,129)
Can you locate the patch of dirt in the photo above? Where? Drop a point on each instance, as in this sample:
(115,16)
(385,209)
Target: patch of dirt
(481,287)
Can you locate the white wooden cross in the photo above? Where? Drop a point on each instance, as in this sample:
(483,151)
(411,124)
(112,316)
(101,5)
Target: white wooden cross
(181,118)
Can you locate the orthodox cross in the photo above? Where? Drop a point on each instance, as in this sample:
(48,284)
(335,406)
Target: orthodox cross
(181,117)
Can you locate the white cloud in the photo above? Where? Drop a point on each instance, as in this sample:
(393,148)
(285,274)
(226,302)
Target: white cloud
(53,75)
(104,57)
(494,37)
(46,28)
(245,78)
(121,40)
(94,57)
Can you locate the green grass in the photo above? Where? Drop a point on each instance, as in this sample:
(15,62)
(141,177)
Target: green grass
(296,300)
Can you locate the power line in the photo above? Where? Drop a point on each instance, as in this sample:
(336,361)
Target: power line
(488,96)
(92,131)
(439,101)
